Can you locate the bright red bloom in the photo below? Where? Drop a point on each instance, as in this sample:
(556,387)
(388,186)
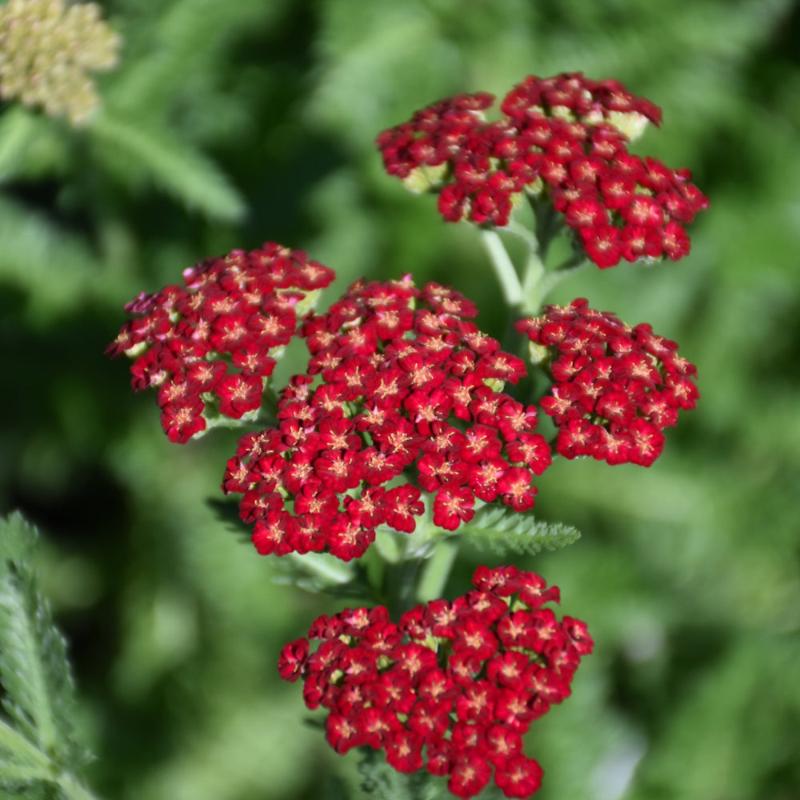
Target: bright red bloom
(519,776)
(469,774)
(400,380)
(615,388)
(453,505)
(182,420)
(564,138)
(293,659)
(209,345)
(390,686)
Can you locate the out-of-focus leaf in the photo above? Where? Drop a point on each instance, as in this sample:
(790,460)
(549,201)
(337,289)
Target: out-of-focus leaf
(174,165)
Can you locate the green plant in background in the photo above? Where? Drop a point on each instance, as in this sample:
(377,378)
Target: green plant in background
(39,747)
(279,102)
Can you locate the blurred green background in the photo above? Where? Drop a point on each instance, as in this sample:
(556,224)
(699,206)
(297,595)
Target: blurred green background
(229,123)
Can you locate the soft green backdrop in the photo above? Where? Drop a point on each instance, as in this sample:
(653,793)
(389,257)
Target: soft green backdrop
(229,123)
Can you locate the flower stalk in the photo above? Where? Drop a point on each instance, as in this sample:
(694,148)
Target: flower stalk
(503,268)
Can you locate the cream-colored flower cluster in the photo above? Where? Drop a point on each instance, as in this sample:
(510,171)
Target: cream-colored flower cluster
(47,52)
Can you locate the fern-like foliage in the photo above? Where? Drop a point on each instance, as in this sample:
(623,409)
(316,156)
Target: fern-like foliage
(380,781)
(317,573)
(503,530)
(37,739)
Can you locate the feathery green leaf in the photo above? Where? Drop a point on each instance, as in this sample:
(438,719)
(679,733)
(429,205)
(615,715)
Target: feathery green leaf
(502,530)
(39,744)
(35,673)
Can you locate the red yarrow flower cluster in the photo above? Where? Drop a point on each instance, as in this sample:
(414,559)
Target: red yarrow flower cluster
(453,687)
(402,394)
(208,346)
(564,138)
(615,388)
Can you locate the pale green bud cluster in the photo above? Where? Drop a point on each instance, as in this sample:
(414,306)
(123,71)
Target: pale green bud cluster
(47,52)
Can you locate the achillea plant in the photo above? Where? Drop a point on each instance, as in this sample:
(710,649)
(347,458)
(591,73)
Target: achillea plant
(48,51)
(410,420)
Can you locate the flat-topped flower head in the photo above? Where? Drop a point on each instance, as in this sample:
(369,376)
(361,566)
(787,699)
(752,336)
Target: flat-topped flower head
(615,388)
(452,687)
(564,140)
(403,395)
(209,345)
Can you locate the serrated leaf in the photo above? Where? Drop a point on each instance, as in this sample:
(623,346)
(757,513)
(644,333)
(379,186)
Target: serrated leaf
(17,539)
(173,164)
(34,671)
(380,781)
(501,530)
(17,751)
(318,573)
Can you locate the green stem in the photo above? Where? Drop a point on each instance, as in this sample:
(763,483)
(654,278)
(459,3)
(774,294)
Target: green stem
(547,224)
(535,275)
(553,279)
(521,232)
(401,582)
(503,267)
(437,571)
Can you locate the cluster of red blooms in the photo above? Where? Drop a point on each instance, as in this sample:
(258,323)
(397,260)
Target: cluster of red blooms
(615,388)
(563,135)
(453,687)
(400,379)
(211,342)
